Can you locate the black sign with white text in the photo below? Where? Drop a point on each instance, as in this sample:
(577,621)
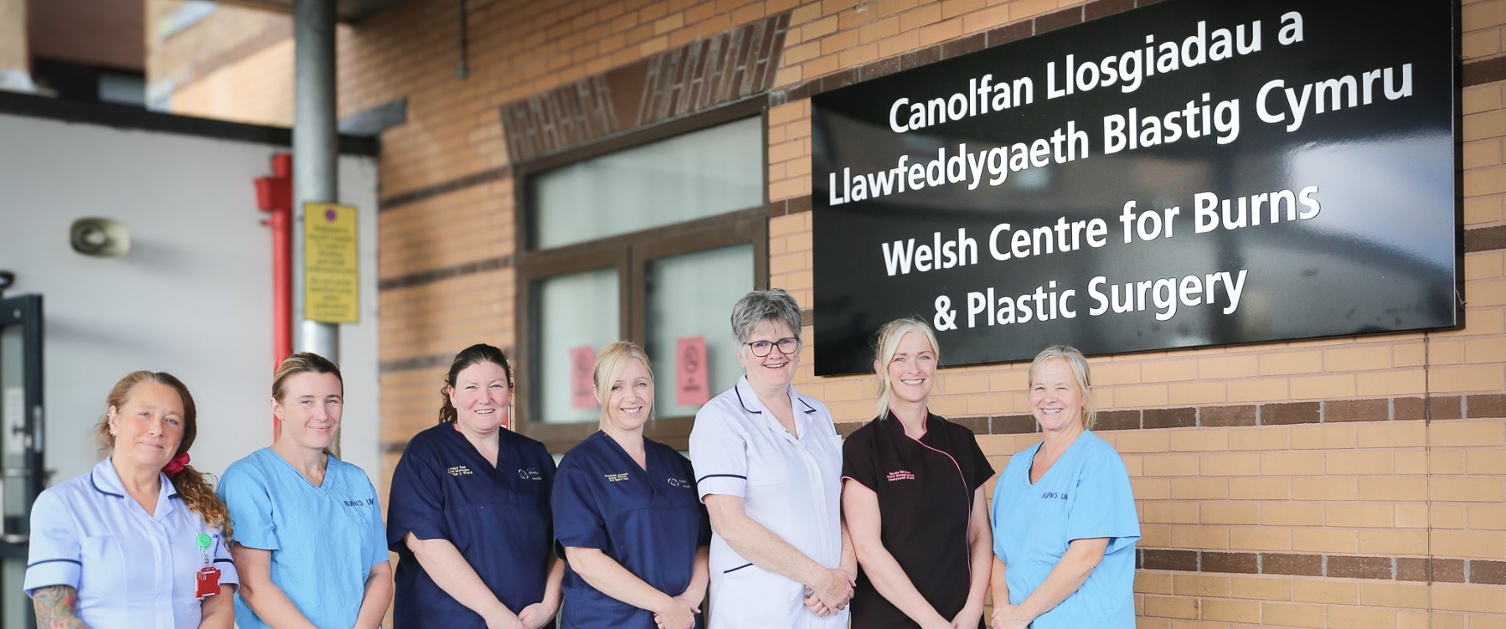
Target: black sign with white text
(1192,173)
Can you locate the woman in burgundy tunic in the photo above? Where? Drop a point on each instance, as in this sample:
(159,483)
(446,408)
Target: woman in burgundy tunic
(913,498)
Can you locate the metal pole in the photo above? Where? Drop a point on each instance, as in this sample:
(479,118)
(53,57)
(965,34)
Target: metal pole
(315,150)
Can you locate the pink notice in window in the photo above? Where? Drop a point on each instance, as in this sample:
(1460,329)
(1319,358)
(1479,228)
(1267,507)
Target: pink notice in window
(690,372)
(582,359)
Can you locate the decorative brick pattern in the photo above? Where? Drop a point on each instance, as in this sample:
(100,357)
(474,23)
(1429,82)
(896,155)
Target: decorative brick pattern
(1478,571)
(1169,418)
(1361,567)
(724,68)
(1484,71)
(1286,563)
(434,275)
(413,196)
(1280,414)
(1493,405)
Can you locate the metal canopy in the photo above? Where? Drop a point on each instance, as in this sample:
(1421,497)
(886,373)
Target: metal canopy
(347,11)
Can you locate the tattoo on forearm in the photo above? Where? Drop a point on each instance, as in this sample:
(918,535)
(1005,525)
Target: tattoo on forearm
(57,607)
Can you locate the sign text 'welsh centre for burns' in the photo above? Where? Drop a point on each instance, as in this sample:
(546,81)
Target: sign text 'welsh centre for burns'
(1191,173)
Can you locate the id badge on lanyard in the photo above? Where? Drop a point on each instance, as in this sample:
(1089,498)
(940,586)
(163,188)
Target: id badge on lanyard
(208,577)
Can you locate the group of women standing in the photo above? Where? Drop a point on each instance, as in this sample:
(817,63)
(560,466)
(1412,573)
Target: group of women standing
(776,517)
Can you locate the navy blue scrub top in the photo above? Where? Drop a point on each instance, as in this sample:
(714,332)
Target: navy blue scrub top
(498,517)
(650,521)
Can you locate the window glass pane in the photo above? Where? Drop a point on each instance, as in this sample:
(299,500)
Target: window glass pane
(578,313)
(700,174)
(688,296)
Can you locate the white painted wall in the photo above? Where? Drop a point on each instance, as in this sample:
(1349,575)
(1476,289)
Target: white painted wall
(193,296)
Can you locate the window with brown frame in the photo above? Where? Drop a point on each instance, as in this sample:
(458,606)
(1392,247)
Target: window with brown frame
(650,238)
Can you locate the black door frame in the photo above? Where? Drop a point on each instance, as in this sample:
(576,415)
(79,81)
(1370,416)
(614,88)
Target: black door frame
(24,311)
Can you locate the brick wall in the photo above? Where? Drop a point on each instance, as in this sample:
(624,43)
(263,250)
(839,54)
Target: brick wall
(239,87)
(219,67)
(15,55)
(1351,482)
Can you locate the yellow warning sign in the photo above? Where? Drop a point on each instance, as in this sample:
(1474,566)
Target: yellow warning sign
(331,277)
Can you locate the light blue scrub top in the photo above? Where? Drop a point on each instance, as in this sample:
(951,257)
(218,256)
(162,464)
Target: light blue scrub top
(324,540)
(1086,494)
(131,570)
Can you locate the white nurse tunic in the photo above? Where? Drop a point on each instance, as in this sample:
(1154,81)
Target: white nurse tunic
(791,485)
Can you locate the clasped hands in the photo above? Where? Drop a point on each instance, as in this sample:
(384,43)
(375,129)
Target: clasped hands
(532,617)
(1008,616)
(832,595)
(679,613)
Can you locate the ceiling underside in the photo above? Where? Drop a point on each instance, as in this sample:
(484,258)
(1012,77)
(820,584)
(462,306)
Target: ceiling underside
(347,10)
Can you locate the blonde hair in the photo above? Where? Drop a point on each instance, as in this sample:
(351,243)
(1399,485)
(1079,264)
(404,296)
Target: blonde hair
(197,493)
(889,337)
(1079,366)
(611,361)
(294,364)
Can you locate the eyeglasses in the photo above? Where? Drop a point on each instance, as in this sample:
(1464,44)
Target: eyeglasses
(787,345)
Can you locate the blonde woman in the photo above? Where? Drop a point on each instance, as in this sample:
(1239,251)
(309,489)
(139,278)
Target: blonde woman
(626,515)
(1064,517)
(913,497)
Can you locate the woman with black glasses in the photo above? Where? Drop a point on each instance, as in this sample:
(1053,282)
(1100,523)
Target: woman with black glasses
(768,463)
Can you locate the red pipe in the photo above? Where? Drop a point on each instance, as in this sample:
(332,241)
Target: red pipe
(282,284)
(274,195)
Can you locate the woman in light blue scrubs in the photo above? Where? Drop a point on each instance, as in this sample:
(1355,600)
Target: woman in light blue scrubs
(309,542)
(139,541)
(1063,514)
(627,517)
(469,511)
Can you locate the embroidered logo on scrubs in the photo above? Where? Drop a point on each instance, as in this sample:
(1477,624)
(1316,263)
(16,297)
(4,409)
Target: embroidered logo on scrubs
(459,470)
(678,482)
(530,473)
(900,475)
(1054,495)
(359,503)
(617,478)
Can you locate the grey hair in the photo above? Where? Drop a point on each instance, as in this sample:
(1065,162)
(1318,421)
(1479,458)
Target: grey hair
(1079,366)
(763,305)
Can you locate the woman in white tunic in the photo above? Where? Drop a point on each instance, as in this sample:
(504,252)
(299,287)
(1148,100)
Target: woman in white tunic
(768,464)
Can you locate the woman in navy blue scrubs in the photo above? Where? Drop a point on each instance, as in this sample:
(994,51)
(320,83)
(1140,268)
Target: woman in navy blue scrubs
(626,513)
(469,512)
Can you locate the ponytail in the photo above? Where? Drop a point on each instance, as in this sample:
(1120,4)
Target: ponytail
(198,495)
